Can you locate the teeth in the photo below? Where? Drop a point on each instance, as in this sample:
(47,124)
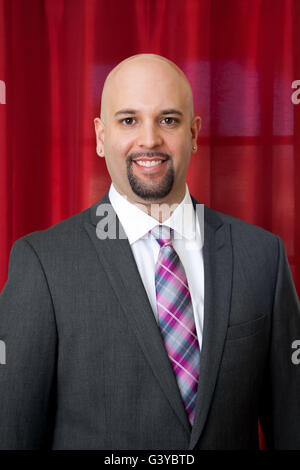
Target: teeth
(147,163)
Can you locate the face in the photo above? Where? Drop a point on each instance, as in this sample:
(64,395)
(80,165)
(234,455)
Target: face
(147,132)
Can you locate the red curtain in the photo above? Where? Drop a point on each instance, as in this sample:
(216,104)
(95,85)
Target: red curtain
(241,57)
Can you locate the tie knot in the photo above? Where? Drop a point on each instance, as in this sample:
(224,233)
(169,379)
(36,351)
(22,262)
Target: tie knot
(162,234)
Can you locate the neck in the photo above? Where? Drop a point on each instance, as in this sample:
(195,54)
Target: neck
(160,210)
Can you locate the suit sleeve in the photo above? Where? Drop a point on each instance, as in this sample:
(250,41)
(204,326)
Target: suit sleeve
(28,352)
(280,407)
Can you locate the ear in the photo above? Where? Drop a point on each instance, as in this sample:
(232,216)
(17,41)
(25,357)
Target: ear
(99,129)
(195,129)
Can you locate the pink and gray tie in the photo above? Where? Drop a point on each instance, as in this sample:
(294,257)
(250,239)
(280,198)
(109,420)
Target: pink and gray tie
(176,318)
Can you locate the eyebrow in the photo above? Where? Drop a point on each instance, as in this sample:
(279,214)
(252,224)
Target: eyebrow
(172,111)
(164,112)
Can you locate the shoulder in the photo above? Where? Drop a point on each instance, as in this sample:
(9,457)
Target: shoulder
(249,241)
(58,236)
(246,238)
(71,228)
(216,219)
(240,226)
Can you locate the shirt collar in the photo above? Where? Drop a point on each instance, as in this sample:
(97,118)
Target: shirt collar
(137,223)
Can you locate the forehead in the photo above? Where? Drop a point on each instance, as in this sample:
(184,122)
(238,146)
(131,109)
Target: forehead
(146,85)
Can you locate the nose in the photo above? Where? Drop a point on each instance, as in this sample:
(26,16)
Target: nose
(149,136)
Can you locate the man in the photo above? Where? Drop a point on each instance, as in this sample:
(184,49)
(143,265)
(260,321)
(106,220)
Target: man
(149,321)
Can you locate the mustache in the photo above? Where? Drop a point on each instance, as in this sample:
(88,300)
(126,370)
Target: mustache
(148,154)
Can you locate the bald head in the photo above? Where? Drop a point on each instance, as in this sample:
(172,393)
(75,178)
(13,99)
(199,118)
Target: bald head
(155,66)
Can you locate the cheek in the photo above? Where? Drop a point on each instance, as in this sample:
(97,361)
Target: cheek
(181,150)
(118,148)
(179,141)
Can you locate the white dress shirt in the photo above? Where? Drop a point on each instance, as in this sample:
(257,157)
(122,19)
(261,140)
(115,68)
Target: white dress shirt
(188,243)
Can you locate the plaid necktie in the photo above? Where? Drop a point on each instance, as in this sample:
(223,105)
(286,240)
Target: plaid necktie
(176,318)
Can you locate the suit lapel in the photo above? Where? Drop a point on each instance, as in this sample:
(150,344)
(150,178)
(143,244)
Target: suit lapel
(117,259)
(218,266)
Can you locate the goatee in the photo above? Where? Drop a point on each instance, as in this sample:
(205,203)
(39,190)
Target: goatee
(152,190)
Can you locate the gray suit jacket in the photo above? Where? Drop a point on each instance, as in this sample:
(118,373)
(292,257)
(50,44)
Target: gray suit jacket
(86,367)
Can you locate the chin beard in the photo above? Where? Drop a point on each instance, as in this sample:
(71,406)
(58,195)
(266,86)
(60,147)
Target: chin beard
(151,191)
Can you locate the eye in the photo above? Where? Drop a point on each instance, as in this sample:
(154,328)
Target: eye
(129,121)
(170,121)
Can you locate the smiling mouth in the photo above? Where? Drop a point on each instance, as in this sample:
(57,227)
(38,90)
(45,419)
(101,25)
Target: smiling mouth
(153,166)
(149,164)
